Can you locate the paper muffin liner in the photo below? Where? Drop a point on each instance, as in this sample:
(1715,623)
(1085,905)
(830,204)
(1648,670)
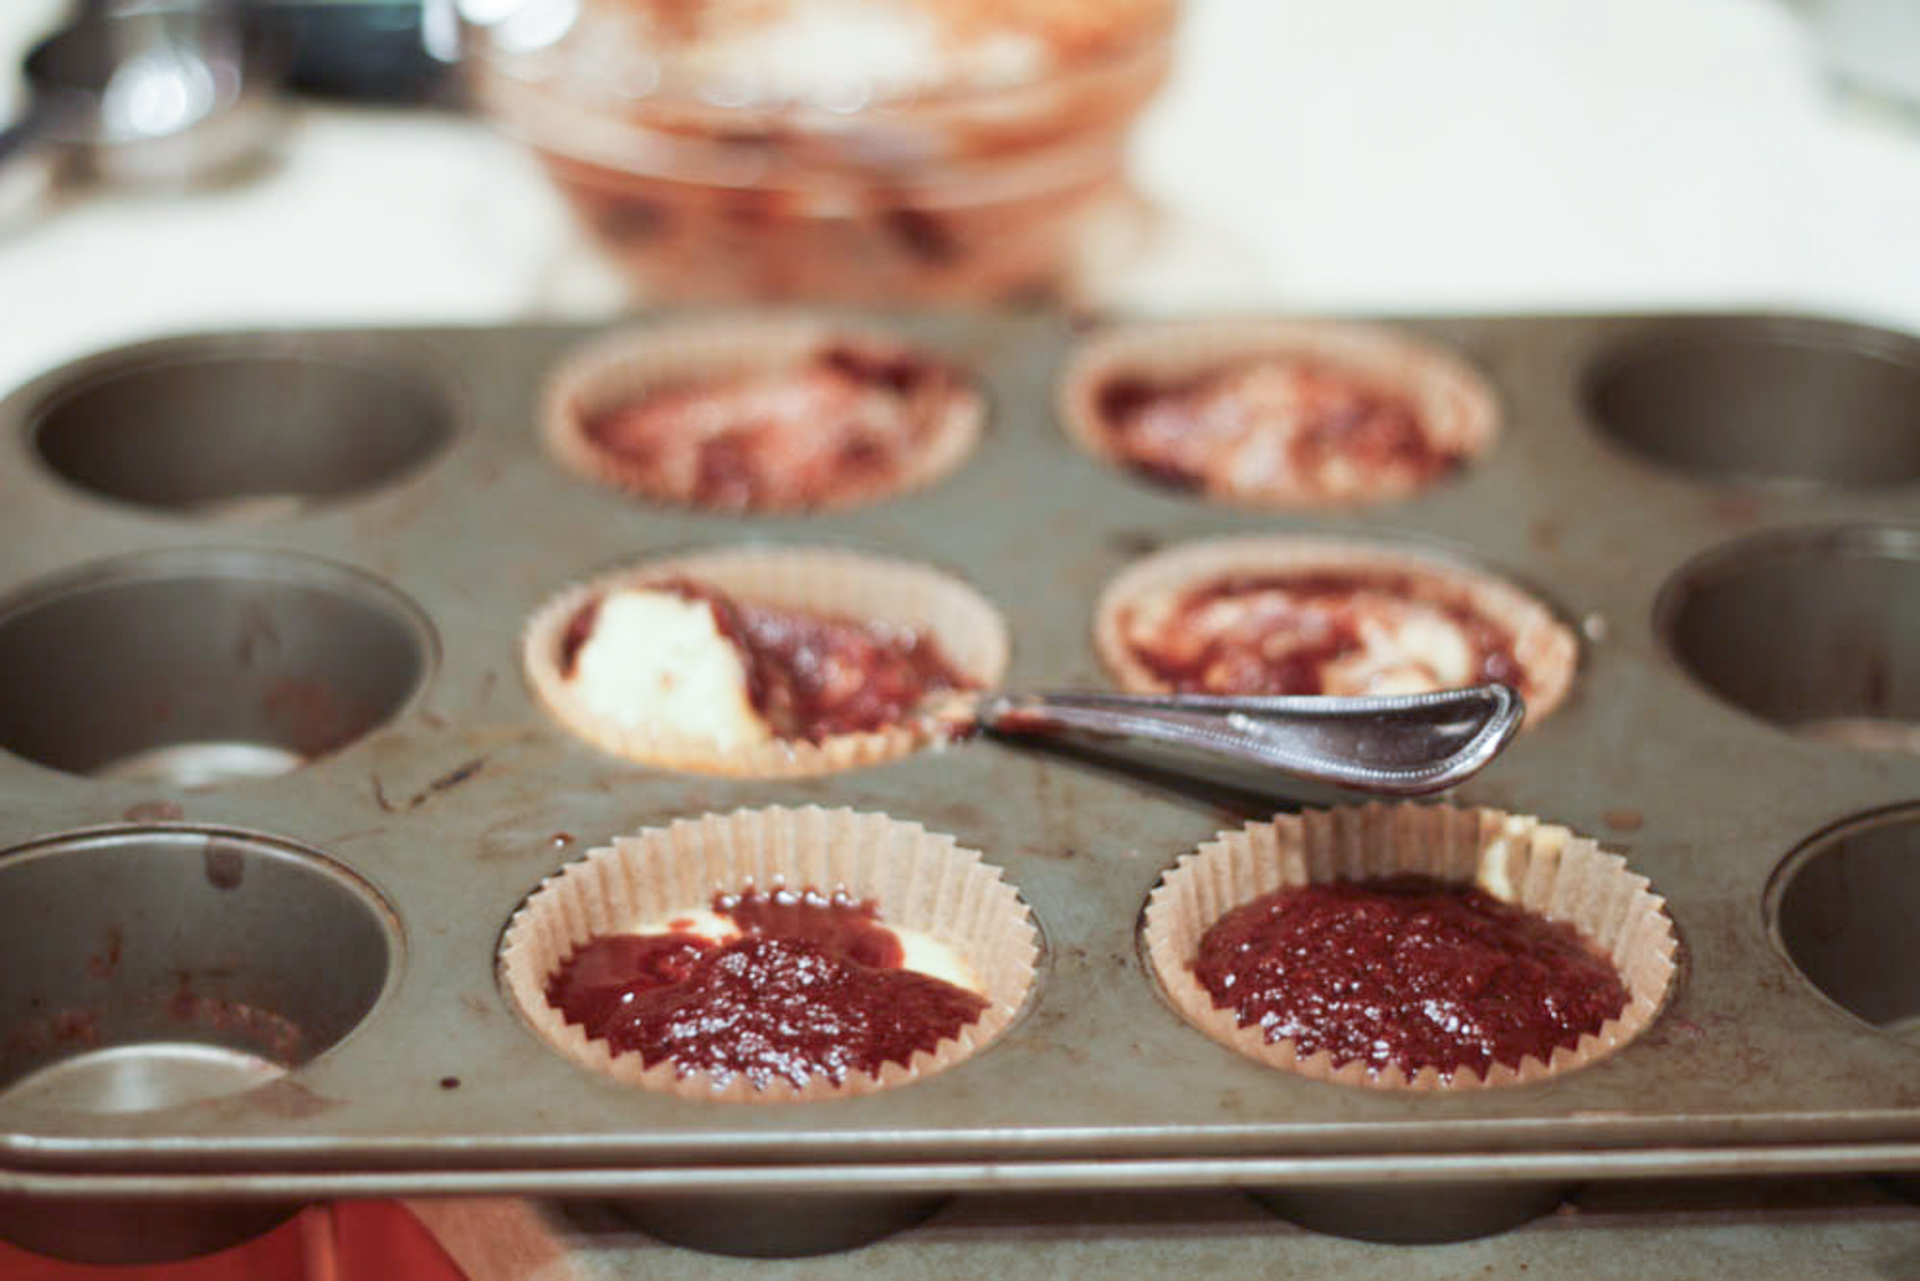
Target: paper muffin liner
(623,366)
(815,580)
(1545,648)
(1458,409)
(1540,866)
(918,880)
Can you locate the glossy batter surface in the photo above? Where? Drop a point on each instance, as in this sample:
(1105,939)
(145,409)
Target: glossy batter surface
(1408,972)
(811,990)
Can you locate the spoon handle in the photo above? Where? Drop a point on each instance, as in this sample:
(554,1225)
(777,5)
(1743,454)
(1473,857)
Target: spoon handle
(1397,745)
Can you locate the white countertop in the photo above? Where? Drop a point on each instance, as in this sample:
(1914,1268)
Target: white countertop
(1378,156)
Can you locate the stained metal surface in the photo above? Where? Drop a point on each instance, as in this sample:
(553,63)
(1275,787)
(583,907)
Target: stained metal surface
(153,968)
(201,665)
(455,808)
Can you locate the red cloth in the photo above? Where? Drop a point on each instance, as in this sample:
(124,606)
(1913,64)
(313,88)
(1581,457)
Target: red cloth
(344,1241)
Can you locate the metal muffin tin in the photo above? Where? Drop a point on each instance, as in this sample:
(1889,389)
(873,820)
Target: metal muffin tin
(327,543)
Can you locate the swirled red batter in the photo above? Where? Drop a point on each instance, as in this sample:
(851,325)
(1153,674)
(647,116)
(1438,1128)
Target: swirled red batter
(1272,428)
(841,424)
(1409,972)
(810,676)
(1312,632)
(811,990)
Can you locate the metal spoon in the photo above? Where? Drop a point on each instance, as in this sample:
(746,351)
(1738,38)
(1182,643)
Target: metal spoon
(153,93)
(1397,745)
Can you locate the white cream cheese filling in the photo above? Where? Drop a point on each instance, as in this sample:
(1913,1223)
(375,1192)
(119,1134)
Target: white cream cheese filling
(658,661)
(1406,650)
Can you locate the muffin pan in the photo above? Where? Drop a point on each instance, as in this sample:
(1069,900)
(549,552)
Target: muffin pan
(265,729)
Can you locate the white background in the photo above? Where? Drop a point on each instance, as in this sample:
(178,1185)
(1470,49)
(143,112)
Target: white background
(1371,156)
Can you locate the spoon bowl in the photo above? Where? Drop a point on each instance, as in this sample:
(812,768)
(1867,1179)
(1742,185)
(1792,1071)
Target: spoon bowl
(1391,745)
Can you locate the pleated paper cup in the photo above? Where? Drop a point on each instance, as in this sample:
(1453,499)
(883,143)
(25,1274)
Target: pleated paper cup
(1153,587)
(918,880)
(823,581)
(1542,867)
(624,367)
(1459,413)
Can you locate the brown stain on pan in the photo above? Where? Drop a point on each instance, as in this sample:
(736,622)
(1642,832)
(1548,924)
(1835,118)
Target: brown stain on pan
(225,865)
(446,782)
(228,1020)
(67,1031)
(315,717)
(105,963)
(256,639)
(962,815)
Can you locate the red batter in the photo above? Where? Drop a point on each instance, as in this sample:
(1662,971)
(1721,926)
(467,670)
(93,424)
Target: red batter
(1408,972)
(1293,626)
(846,422)
(812,989)
(811,676)
(1274,428)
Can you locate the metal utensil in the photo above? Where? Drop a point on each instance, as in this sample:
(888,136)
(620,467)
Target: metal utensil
(145,92)
(1396,745)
